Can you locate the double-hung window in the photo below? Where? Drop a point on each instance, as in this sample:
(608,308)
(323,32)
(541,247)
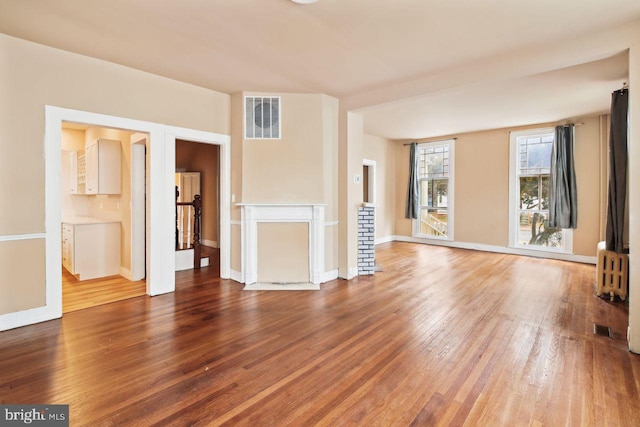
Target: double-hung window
(529,193)
(435,175)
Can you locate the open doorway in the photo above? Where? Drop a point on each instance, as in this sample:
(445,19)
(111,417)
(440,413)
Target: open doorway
(102,195)
(197,173)
(160,247)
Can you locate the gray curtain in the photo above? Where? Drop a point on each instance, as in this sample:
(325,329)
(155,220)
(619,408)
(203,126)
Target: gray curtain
(617,170)
(563,197)
(413,203)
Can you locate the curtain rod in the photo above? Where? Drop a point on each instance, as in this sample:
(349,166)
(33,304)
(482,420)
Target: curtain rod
(429,141)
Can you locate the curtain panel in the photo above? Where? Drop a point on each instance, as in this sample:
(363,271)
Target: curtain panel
(563,196)
(413,203)
(618,156)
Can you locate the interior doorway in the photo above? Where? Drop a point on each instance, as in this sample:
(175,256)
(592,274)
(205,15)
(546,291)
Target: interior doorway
(103,205)
(160,249)
(197,172)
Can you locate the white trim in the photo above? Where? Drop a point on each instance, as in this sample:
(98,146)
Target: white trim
(415,223)
(331,223)
(500,249)
(53,231)
(351,273)
(184,260)
(224,141)
(236,276)
(252,214)
(138,206)
(235,222)
(371,179)
(386,239)
(330,275)
(160,249)
(11,238)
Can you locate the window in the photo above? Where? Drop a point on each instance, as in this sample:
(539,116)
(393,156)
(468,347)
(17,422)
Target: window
(435,174)
(529,193)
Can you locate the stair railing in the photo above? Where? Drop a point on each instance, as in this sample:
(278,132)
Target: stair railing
(196,224)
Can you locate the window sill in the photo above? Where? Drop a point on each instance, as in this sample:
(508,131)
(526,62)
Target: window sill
(541,249)
(435,238)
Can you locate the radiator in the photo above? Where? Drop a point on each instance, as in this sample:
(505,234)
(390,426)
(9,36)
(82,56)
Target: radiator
(612,273)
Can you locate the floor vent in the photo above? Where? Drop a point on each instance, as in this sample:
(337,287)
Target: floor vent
(605,331)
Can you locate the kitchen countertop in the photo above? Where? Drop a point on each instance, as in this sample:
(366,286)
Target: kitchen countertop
(79,220)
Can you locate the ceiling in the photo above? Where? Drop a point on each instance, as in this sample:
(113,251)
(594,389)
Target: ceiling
(414,68)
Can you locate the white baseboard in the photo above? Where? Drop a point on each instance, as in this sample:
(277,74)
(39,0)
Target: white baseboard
(352,272)
(326,277)
(330,275)
(184,260)
(236,276)
(500,249)
(210,243)
(386,239)
(126,273)
(28,317)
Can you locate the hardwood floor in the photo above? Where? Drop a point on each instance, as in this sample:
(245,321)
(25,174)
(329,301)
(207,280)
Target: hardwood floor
(78,295)
(441,337)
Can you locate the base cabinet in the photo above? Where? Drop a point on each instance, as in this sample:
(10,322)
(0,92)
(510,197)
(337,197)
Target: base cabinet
(91,250)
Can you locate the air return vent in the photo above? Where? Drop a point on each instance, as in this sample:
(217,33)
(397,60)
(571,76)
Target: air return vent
(262,117)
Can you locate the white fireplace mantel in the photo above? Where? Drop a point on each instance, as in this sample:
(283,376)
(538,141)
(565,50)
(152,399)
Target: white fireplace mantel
(252,214)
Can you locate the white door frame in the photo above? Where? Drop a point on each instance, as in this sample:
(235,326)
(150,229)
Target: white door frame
(371,179)
(160,226)
(139,208)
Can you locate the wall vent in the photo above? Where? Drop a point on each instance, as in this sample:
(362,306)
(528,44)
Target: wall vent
(262,117)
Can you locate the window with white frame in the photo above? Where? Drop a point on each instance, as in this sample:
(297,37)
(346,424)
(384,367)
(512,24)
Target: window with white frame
(435,175)
(529,193)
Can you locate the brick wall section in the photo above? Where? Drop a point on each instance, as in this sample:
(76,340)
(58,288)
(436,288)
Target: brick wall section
(366,240)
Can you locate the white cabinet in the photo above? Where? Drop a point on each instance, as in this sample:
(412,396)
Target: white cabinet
(91,248)
(103,170)
(77,172)
(67,247)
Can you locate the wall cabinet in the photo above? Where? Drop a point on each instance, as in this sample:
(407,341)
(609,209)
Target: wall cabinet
(103,169)
(91,248)
(77,172)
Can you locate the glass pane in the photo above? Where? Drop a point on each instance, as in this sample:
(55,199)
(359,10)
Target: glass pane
(533,230)
(435,164)
(529,192)
(439,198)
(425,192)
(535,153)
(544,191)
(433,222)
(539,156)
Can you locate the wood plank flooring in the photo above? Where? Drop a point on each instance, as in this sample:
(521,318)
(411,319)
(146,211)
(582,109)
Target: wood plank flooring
(78,295)
(441,337)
